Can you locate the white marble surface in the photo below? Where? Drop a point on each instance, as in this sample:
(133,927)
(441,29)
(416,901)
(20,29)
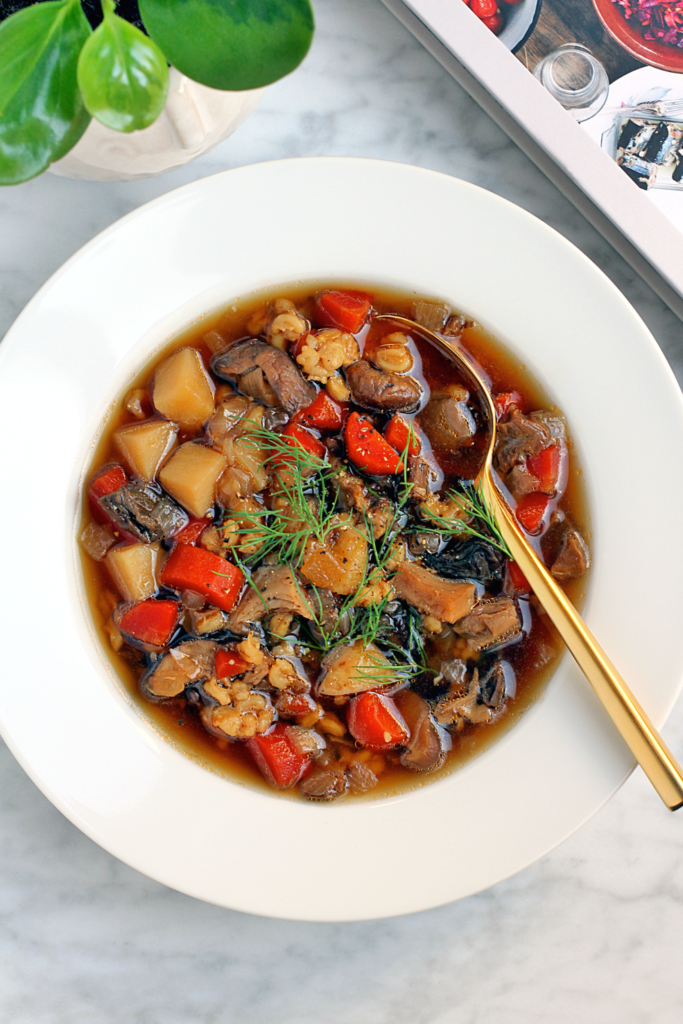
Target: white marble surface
(592,933)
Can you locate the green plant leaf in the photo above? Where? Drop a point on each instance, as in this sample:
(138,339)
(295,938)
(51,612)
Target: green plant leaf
(123,75)
(231,44)
(41,111)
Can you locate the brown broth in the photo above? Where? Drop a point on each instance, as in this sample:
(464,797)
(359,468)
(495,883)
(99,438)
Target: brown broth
(534,659)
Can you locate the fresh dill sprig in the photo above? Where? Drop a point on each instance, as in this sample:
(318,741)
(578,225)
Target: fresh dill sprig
(473,503)
(303,482)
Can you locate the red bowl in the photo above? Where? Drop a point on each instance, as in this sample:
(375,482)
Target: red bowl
(629,34)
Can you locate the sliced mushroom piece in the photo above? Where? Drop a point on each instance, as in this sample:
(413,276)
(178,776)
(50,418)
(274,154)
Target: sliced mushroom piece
(422,475)
(381,391)
(428,743)
(520,481)
(447,420)
(432,315)
(281,373)
(573,558)
(255,384)
(324,784)
(493,621)
(462,705)
(519,437)
(469,560)
(495,683)
(353,494)
(189,662)
(446,600)
(308,742)
(274,588)
(361,778)
(145,511)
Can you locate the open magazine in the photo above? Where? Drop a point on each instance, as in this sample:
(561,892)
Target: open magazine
(622,166)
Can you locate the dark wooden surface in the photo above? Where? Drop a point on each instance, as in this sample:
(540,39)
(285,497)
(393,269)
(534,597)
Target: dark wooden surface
(574,21)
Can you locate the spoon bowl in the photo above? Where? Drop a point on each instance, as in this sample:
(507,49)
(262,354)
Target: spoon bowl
(636,729)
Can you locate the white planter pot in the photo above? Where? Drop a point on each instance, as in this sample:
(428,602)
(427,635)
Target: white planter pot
(194,120)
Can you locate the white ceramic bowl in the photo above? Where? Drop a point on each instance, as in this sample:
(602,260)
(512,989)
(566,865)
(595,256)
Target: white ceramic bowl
(520,20)
(102,315)
(193,121)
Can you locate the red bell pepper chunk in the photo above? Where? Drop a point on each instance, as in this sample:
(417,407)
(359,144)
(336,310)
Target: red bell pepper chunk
(324,414)
(229,663)
(518,580)
(277,757)
(397,432)
(504,401)
(375,721)
(367,449)
(191,533)
(546,467)
(346,310)
(106,482)
(204,573)
(531,511)
(151,622)
(298,437)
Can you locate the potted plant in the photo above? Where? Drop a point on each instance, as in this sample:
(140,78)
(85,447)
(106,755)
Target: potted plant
(66,65)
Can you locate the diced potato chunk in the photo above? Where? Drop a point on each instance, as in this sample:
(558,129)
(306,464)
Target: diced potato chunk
(353,668)
(340,565)
(190,477)
(144,446)
(182,390)
(133,568)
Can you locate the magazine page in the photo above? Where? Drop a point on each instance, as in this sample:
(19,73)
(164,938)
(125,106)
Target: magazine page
(574,83)
(616,66)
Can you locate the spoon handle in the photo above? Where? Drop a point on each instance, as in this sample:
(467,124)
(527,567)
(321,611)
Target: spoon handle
(637,730)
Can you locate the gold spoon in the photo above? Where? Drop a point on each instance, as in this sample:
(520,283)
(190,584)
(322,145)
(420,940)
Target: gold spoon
(637,730)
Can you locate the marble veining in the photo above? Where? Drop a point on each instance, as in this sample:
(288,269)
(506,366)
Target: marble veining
(591,933)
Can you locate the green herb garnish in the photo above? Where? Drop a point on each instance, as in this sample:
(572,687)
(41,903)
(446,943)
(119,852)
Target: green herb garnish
(472,501)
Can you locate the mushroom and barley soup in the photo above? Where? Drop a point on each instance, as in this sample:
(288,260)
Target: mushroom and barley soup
(288,560)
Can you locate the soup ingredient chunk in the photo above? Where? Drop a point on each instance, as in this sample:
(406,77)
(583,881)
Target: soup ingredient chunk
(272,589)
(182,390)
(187,663)
(242,714)
(133,568)
(340,564)
(355,667)
(375,721)
(190,476)
(428,743)
(367,449)
(142,509)
(447,420)
(144,446)
(148,624)
(346,310)
(248,363)
(573,558)
(277,756)
(446,600)
(490,623)
(382,391)
(202,572)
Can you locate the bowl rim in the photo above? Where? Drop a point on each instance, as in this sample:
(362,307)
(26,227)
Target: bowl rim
(159,793)
(666,58)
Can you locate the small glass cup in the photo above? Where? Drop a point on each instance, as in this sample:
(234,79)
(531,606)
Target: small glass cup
(576,79)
